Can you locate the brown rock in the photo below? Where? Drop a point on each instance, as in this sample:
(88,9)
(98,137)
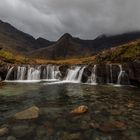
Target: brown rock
(70,136)
(111,126)
(30,113)
(3,131)
(94,125)
(130,104)
(115,112)
(80,110)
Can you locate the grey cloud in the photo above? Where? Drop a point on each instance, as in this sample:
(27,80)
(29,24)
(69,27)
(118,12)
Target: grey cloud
(83,18)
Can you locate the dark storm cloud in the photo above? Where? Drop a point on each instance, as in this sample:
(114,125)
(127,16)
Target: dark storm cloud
(82,18)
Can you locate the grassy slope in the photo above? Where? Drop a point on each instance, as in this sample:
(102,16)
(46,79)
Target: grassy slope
(125,53)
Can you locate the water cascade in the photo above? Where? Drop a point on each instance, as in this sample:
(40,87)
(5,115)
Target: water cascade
(30,73)
(33,73)
(9,73)
(110,74)
(75,74)
(93,78)
(122,77)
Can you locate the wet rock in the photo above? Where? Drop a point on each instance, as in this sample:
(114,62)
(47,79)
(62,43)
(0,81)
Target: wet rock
(94,125)
(115,112)
(130,104)
(50,111)
(87,135)
(112,126)
(3,131)
(133,71)
(80,110)
(70,136)
(44,132)
(21,130)
(101,73)
(30,113)
(11,138)
(84,125)
(63,70)
(86,74)
(3,71)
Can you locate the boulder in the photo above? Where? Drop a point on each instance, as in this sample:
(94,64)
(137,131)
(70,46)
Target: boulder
(3,131)
(80,110)
(30,113)
(112,126)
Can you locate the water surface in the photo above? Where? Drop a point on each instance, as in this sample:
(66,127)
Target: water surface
(105,104)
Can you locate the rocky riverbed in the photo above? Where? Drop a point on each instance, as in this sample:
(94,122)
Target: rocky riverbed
(45,111)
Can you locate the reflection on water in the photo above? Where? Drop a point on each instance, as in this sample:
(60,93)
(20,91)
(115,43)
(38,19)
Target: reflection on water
(106,104)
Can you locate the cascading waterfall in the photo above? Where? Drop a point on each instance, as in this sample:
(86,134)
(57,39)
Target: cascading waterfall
(9,73)
(75,74)
(51,72)
(21,71)
(33,73)
(29,73)
(122,74)
(80,74)
(93,78)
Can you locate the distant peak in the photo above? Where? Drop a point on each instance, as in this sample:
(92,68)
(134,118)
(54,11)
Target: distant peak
(66,36)
(40,38)
(101,36)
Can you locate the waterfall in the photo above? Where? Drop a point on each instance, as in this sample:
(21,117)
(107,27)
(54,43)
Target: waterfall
(106,74)
(33,73)
(48,72)
(9,73)
(80,74)
(51,72)
(21,71)
(122,76)
(75,74)
(93,77)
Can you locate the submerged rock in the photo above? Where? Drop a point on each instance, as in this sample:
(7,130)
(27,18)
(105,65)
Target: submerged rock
(115,112)
(11,138)
(112,126)
(30,113)
(130,104)
(22,130)
(70,136)
(3,131)
(80,110)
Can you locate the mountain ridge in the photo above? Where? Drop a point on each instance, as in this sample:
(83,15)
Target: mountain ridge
(67,46)
(16,41)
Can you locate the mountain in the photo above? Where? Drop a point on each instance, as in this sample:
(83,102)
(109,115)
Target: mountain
(16,41)
(66,47)
(128,52)
(71,47)
(42,43)
(105,42)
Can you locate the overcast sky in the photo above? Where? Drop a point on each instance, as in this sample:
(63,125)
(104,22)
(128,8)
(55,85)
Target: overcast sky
(82,18)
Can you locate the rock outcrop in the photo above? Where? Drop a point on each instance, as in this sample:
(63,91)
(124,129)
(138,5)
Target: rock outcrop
(109,73)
